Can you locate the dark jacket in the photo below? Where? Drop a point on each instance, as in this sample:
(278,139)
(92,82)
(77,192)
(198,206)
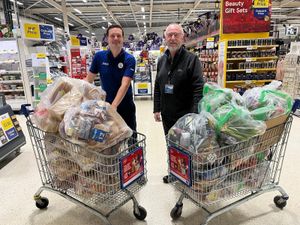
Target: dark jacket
(185,74)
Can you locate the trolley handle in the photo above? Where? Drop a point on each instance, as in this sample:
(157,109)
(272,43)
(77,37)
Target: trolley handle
(25,110)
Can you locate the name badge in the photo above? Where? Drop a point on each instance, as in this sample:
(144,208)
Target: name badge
(169,88)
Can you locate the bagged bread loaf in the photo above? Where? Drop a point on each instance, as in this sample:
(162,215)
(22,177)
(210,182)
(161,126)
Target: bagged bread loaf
(61,95)
(94,124)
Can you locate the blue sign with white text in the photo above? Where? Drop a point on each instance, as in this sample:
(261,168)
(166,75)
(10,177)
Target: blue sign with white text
(47,32)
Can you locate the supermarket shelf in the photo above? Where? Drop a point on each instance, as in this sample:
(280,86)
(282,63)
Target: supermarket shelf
(251,47)
(16,90)
(16,103)
(252,70)
(11,72)
(252,59)
(247,81)
(11,81)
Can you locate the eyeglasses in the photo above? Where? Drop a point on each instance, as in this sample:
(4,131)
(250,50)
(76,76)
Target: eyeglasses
(176,35)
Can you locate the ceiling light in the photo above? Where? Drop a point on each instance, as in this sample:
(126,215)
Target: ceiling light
(145,26)
(103,28)
(19,3)
(85,1)
(144,17)
(109,23)
(103,18)
(71,24)
(275,8)
(143,9)
(59,19)
(87,31)
(145,23)
(77,10)
(93,33)
(58,28)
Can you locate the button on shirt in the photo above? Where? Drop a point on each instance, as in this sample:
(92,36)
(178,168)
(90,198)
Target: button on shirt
(112,70)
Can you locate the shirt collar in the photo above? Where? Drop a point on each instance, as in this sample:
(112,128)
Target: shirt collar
(110,55)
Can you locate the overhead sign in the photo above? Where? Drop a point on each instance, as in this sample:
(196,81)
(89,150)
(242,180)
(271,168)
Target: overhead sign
(37,31)
(291,31)
(247,16)
(75,41)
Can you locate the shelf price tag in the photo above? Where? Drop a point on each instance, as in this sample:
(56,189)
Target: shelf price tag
(250,59)
(251,47)
(249,70)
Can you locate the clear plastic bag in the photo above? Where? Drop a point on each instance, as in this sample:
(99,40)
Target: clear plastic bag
(235,124)
(94,124)
(61,95)
(267,103)
(215,96)
(195,132)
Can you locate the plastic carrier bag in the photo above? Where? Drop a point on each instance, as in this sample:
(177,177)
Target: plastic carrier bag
(94,124)
(235,124)
(195,132)
(214,97)
(266,102)
(61,95)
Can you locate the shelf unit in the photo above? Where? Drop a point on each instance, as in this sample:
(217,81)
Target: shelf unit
(142,82)
(13,79)
(247,61)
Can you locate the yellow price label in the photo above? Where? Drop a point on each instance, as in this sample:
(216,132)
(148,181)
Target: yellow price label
(7,123)
(261,3)
(75,41)
(142,86)
(210,39)
(40,55)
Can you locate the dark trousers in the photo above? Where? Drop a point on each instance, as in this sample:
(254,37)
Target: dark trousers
(127,112)
(168,122)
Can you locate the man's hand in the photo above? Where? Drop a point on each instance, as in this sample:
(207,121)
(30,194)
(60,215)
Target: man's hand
(157,116)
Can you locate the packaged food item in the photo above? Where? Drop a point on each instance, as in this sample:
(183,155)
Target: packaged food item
(267,103)
(214,97)
(94,124)
(198,128)
(235,124)
(61,95)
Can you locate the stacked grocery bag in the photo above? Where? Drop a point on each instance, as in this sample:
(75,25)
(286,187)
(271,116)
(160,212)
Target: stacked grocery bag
(222,162)
(76,111)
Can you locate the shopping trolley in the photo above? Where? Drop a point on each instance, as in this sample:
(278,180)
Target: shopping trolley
(232,174)
(100,182)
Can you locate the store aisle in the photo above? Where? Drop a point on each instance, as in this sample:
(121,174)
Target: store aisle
(19,180)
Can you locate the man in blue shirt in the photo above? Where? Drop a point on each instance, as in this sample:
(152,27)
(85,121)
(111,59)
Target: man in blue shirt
(116,68)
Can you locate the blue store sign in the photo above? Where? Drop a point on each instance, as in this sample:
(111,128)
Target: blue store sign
(47,32)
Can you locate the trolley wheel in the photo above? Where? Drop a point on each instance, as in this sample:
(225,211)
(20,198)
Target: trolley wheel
(141,214)
(42,203)
(176,211)
(280,202)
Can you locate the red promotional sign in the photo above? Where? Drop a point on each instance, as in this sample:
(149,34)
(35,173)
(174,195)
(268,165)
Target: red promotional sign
(180,165)
(246,16)
(131,167)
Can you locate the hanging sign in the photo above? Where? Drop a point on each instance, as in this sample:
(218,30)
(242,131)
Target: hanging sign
(246,16)
(38,31)
(75,41)
(83,41)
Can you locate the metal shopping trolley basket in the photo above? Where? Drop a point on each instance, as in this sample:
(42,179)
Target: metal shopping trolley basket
(101,182)
(233,174)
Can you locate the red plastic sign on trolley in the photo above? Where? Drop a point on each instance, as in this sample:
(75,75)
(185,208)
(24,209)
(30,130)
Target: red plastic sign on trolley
(246,16)
(131,167)
(180,165)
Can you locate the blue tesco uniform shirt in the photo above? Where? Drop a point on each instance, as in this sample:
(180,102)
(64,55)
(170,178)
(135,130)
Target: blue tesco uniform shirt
(111,72)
